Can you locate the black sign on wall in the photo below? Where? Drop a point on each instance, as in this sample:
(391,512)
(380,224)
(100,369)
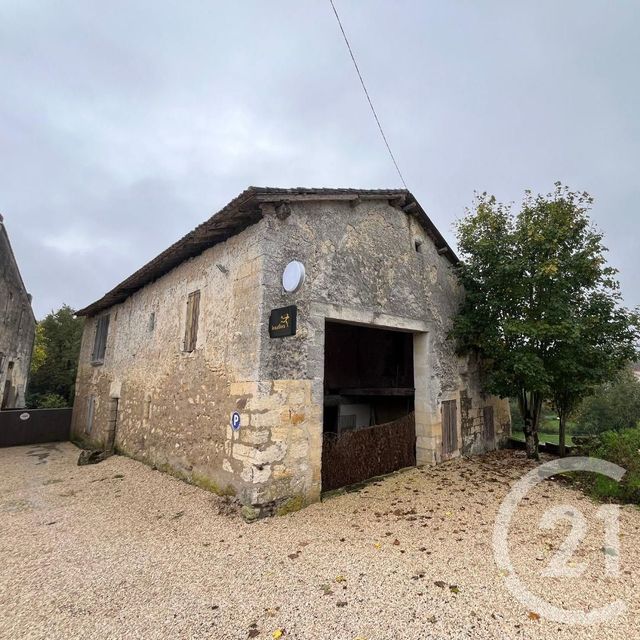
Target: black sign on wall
(282,322)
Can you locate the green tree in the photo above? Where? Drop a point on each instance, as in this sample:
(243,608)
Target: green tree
(541,307)
(39,354)
(51,401)
(58,335)
(598,346)
(614,406)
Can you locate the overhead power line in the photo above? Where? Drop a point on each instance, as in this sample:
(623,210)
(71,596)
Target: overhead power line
(366,93)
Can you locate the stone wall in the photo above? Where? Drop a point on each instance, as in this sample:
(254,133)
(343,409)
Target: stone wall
(368,263)
(473,403)
(174,407)
(17,328)
(278,446)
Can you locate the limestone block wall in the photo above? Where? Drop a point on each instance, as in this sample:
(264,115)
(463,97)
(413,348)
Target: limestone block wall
(276,448)
(174,407)
(366,263)
(472,415)
(17,328)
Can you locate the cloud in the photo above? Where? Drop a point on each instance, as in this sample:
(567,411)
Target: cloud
(124,125)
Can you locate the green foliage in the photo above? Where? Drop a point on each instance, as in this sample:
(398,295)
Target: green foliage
(48,401)
(614,406)
(621,448)
(39,354)
(542,308)
(549,423)
(53,370)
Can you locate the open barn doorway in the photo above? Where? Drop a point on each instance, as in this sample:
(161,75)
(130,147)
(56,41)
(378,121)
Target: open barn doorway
(368,415)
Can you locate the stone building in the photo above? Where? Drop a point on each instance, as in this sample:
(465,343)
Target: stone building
(17,328)
(204,365)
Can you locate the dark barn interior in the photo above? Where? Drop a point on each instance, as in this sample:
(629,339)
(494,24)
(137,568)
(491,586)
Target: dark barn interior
(368,403)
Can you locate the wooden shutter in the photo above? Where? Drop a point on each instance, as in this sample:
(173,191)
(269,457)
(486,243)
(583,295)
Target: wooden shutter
(191,328)
(105,332)
(449,426)
(489,426)
(96,342)
(100,341)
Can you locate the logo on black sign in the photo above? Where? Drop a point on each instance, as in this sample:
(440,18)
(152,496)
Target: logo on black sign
(282,322)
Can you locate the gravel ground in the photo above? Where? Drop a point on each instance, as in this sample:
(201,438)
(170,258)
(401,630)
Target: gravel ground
(118,550)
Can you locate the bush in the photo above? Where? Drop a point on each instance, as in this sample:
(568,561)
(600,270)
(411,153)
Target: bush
(47,401)
(621,448)
(614,406)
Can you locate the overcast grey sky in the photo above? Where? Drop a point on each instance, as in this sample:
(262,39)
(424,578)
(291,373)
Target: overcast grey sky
(125,124)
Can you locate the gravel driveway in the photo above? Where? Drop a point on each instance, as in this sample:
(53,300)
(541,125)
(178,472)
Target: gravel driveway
(118,550)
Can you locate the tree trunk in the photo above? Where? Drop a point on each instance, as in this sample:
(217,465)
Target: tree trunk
(530,408)
(530,440)
(562,435)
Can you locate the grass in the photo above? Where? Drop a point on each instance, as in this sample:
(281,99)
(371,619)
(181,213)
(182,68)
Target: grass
(553,438)
(547,429)
(621,448)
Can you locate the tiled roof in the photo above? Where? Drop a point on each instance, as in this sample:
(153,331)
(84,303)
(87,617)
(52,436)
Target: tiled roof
(243,211)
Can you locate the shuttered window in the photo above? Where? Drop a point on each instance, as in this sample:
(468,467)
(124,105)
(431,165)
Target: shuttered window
(191,328)
(449,426)
(100,341)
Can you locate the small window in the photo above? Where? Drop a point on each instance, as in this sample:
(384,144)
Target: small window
(152,321)
(2,356)
(100,341)
(91,409)
(191,328)
(418,243)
